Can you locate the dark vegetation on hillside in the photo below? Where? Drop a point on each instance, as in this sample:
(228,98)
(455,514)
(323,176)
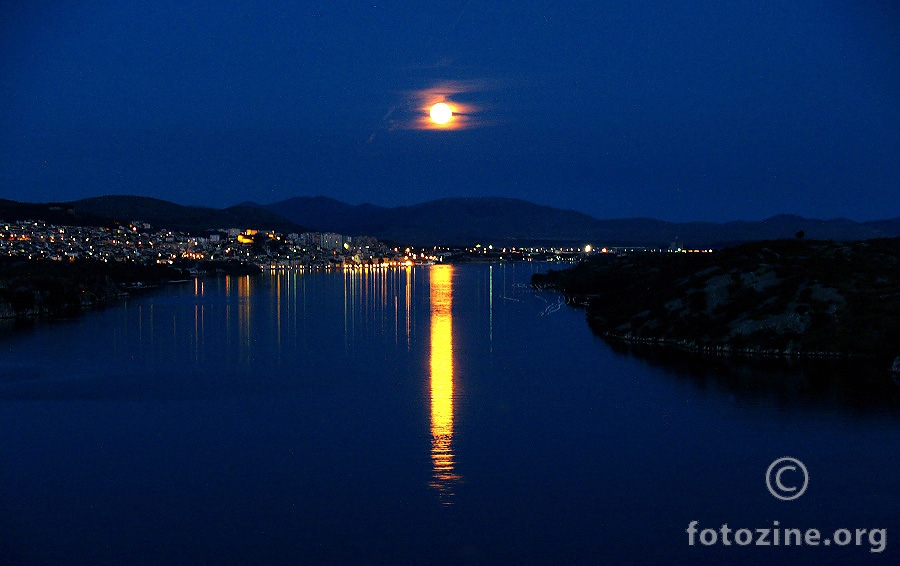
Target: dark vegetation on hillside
(780,297)
(55,288)
(62,288)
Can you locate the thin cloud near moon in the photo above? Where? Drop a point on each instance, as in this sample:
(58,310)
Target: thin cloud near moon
(465,98)
(456,94)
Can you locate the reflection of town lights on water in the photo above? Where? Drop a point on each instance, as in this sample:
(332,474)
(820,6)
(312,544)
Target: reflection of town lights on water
(441,287)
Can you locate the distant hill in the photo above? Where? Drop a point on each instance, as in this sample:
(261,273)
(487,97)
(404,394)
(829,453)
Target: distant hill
(329,215)
(891,226)
(517,222)
(112,210)
(62,214)
(451,221)
(166,214)
(446,221)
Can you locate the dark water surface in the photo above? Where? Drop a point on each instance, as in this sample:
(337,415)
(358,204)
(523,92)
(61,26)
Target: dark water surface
(423,415)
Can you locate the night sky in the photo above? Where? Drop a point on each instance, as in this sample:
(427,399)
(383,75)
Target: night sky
(702,110)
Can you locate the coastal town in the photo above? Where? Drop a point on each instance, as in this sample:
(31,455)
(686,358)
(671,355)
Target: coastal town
(142,243)
(145,244)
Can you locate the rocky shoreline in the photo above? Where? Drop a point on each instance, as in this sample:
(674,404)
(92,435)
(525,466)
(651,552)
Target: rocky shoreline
(727,350)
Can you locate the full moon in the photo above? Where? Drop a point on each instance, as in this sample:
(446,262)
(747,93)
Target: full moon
(441,113)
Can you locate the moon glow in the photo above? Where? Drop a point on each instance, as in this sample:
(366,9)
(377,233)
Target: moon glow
(441,113)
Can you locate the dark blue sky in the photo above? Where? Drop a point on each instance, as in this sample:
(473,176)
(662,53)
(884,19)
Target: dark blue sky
(701,110)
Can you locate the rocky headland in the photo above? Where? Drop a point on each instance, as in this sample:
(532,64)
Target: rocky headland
(769,298)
